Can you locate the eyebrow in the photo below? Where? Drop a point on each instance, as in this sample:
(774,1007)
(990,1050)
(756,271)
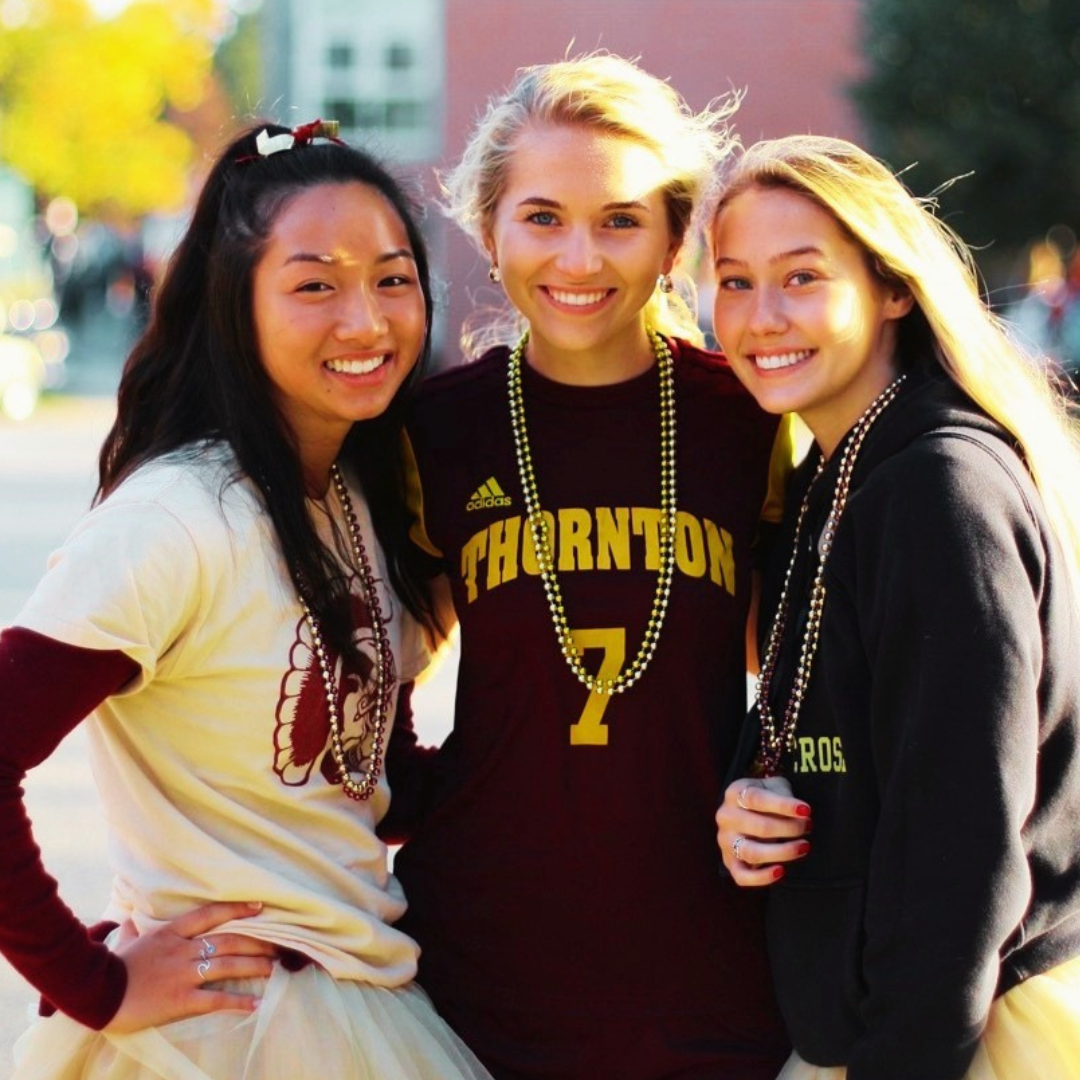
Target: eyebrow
(554,204)
(331,260)
(783,256)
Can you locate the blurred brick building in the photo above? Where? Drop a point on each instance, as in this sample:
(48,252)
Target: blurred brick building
(410,76)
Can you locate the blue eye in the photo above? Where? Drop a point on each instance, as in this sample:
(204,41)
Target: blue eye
(734,284)
(623,221)
(541,217)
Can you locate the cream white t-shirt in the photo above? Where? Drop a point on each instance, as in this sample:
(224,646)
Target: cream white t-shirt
(213,763)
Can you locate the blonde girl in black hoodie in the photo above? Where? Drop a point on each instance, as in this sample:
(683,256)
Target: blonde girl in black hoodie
(920,691)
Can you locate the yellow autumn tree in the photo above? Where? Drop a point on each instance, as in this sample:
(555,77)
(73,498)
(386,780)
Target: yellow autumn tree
(84,100)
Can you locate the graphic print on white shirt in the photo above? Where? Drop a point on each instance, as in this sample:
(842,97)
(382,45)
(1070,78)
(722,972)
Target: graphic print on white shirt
(302,725)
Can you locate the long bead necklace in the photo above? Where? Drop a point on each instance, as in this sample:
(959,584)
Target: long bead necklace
(778,737)
(362,789)
(538,526)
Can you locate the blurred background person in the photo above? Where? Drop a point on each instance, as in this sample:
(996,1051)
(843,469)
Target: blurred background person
(1047,317)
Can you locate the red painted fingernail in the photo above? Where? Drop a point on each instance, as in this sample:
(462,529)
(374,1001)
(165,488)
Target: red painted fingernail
(802,810)
(777,873)
(802,849)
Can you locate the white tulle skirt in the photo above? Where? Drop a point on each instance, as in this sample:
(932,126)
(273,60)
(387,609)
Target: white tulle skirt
(1033,1032)
(307,1024)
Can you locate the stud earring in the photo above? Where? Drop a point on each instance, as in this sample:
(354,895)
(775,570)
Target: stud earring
(665,283)
(493,273)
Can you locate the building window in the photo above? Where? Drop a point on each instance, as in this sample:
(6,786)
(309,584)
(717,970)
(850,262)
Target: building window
(344,111)
(399,57)
(374,115)
(339,56)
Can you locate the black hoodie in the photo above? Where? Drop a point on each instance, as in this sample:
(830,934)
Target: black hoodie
(938,746)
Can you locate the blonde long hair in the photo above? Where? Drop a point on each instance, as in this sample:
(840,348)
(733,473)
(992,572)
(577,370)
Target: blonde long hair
(907,243)
(614,96)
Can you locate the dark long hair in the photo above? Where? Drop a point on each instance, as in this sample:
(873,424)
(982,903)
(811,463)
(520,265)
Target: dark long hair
(196,372)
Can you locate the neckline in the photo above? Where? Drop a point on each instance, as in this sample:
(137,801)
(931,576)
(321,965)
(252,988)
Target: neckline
(638,388)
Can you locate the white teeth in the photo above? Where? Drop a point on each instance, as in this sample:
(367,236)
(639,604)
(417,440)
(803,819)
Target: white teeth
(577,299)
(357,367)
(781,360)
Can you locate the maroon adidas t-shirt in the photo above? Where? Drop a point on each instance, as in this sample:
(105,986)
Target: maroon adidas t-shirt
(565,885)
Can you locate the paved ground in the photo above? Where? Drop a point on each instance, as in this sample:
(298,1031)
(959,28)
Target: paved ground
(47,478)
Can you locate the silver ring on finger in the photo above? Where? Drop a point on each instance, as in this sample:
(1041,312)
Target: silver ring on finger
(208,949)
(736,847)
(203,968)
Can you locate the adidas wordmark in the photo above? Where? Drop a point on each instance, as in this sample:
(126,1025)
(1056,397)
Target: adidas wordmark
(487,496)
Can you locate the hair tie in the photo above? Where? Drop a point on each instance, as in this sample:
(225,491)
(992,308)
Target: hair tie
(301,135)
(316,129)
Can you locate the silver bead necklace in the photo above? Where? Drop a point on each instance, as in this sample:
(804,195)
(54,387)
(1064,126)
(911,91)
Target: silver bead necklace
(538,526)
(365,788)
(778,737)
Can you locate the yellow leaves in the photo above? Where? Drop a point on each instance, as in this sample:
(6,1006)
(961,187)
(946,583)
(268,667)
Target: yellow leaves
(83,100)
(175,41)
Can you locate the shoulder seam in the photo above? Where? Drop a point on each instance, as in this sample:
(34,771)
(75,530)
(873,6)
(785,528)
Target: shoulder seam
(973,438)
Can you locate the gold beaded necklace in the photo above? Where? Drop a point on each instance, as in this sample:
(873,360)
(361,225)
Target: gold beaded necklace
(538,526)
(363,789)
(778,737)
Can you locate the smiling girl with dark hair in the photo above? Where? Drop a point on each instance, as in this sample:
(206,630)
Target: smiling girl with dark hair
(240,618)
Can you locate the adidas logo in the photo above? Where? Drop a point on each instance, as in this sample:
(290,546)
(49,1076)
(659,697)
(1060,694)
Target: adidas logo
(487,496)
